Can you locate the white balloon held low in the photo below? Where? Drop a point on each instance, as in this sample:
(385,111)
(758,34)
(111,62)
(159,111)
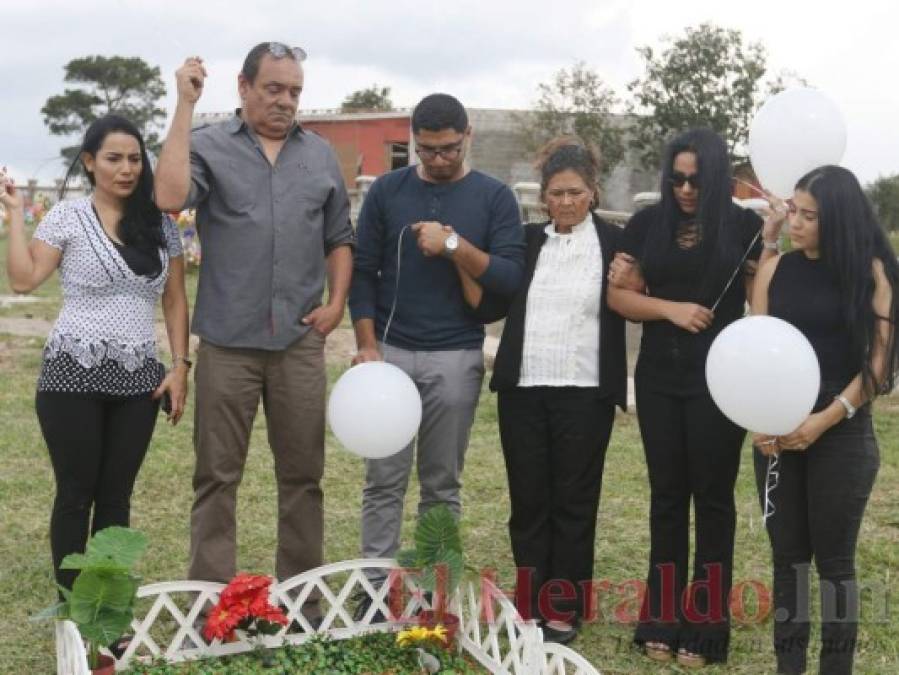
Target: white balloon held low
(794,132)
(763,375)
(374,409)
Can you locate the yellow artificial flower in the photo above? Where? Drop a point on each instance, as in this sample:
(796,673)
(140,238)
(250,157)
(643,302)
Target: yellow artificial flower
(420,634)
(439,632)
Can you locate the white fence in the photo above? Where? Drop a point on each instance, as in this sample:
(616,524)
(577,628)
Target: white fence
(168,618)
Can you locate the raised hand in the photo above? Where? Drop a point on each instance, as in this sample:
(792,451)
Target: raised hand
(775,215)
(190,78)
(10,196)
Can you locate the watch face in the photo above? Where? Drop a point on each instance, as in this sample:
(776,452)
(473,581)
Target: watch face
(452,242)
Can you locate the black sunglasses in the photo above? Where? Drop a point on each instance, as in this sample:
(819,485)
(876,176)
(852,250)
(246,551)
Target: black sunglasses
(678,179)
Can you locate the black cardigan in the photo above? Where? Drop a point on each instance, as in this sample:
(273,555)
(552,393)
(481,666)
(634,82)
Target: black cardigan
(612,352)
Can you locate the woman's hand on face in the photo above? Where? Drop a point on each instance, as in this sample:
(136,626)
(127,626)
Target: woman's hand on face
(690,316)
(807,433)
(775,215)
(175,383)
(767,445)
(624,272)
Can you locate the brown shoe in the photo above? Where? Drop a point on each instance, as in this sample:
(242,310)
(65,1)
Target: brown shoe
(658,651)
(689,659)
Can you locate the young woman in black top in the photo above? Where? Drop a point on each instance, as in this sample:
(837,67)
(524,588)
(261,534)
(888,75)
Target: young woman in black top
(839,287)
(695,253)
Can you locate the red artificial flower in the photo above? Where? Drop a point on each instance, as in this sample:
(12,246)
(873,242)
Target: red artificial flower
(244,585)
(222,621)
(273,615)
(243,601)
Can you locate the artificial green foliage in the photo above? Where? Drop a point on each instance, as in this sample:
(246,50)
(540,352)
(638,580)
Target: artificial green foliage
(114,549)
(370,654)
(438,551)
(101,602)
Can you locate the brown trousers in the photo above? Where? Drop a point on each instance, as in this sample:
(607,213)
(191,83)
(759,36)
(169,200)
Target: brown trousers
(229,383)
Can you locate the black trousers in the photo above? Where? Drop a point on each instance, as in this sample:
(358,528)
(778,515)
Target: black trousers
(819,499)
(554,442)
(97,444)
(692,454)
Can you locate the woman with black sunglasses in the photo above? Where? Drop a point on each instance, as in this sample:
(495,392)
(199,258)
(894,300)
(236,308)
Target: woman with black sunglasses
(694,253)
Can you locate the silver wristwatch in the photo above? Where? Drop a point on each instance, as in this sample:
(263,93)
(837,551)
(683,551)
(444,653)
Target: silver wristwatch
(850,409)
(771,245)
(451,245)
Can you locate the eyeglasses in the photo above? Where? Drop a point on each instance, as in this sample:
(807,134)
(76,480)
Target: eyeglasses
(448,152)
(279,50)
(678,179)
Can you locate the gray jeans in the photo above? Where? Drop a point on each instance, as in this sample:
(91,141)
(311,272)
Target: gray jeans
(450,384)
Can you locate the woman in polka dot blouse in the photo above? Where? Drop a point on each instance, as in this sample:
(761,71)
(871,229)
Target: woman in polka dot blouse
(101,383)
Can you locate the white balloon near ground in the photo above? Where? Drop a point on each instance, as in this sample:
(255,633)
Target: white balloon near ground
(763,375)
(795,131)
(374,409)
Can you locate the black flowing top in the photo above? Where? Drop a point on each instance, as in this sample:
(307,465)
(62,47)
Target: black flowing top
(672,360)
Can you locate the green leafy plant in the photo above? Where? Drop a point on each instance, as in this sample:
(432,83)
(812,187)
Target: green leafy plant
(101,602)
(437,555)
(360,655)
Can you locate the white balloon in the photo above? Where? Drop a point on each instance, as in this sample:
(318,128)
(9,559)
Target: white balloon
(374,409)
(794,132)
(763,374)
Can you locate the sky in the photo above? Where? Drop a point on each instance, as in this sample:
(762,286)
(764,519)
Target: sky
(488,54)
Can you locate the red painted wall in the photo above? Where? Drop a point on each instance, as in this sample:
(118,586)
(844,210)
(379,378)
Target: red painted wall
(361,140)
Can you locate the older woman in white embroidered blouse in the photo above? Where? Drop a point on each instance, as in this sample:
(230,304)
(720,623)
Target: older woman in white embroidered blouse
(559,372)
(101,380)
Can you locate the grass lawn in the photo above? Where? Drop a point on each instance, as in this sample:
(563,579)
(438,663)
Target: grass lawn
(162,499)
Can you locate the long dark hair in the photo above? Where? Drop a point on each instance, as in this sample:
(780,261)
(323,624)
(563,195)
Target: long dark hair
(849,238)
(141,224)
(720,253)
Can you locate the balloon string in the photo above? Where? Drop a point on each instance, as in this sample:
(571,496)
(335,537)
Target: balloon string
(396,286)
(772,478)
(737,269)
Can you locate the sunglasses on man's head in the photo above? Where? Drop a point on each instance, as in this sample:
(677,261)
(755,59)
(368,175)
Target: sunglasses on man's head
(279,50)
(678,179)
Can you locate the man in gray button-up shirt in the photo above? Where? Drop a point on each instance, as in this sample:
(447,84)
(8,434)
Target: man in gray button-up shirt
(273,219)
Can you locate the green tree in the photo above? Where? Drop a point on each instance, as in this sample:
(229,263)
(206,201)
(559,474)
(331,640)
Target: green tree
(708,77)
(577,101)
(370,98)
(127,86)
(884,195)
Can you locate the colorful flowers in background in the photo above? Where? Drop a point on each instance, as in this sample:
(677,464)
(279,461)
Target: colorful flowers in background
(36,210)
(244,605)
(420,634)
(189,240)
